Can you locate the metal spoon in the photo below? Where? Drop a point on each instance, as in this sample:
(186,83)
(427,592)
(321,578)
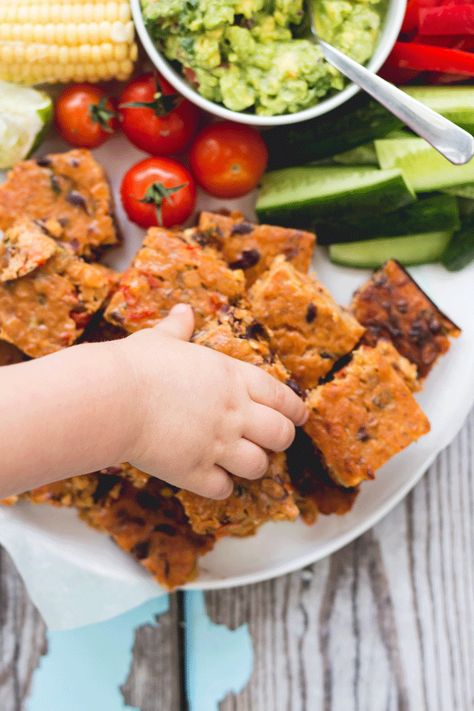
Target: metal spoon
(450,140)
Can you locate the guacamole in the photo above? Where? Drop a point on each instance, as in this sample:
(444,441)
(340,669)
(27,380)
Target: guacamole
(251,54)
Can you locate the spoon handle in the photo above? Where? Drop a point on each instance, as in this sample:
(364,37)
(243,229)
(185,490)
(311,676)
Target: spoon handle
(450,140)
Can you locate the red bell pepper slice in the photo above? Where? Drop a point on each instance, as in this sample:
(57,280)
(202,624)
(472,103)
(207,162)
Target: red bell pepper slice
(423,57)
(410,22)
(443,79)
(395,75)
(447,20)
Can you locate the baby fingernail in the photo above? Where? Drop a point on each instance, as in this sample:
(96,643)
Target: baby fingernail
(180,309)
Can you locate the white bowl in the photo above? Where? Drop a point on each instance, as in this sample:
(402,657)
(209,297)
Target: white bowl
(388,36)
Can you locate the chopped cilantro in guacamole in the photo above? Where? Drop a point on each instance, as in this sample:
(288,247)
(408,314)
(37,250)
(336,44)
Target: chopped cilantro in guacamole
(246,54)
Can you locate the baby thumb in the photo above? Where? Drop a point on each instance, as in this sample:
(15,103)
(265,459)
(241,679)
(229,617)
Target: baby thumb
(179,323)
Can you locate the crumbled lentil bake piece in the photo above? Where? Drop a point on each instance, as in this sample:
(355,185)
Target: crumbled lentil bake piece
(251,504)
(48,309)
(24,247)
(10,354)
(309,331)
(315,491)
(363,417)
(392,306)
(69,192)
(150,524)
(79,492)
(235,332)
(168,269)
(87,490)
(140,513)
(253,247)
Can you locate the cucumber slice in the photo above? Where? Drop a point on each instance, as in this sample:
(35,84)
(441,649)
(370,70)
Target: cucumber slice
(454,102)
(409,249)
(437,212)
(466,210)
(25,115)
(363,155)
(460,251)
(301,196)
(462,191)
(424,168)
(359,121)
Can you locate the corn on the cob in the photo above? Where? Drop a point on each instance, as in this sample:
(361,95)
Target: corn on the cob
(49,41)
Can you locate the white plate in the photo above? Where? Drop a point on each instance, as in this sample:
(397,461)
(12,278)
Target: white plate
(69,550)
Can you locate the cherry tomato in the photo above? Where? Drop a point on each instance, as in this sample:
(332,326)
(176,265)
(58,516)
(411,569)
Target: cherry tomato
(228,159)
(158,191)
(85,117)
(155,118)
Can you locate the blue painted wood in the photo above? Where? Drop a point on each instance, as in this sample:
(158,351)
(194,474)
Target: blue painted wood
(218,662)
(85,668)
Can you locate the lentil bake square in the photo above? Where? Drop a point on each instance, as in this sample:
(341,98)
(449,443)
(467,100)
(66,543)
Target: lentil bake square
(309,331)
(70,190)
(392,306)
(253,247)
(171,268)
(47,295)
(150,524)
(363,417)
(235,332)
(315,492)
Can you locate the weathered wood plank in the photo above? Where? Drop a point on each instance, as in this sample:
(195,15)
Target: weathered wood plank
(22,638)
(154,682)
(386,623)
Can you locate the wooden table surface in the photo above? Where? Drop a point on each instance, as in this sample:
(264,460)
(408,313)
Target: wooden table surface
(386,624)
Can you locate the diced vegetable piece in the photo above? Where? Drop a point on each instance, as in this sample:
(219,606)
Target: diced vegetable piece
(434,213)
(410,22)
(363,155)
(424,168)
(301,196)
(424,57)
(460,251)
(357,122)
(409,249)
(462,191)
(452,19)
(395,74)
(51,42)
(466,209)
(456,103)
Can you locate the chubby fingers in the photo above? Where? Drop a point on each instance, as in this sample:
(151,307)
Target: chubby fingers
(266,390)
(245,459)
(268,428)
(213,483)
(179,323)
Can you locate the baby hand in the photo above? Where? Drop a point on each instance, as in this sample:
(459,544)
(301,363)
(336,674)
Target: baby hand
(198,414)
